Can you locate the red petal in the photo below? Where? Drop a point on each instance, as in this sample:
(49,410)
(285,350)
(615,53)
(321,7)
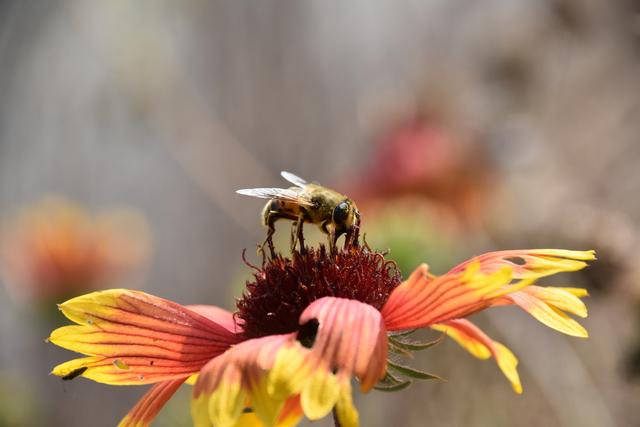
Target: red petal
(351,337)
(218,315)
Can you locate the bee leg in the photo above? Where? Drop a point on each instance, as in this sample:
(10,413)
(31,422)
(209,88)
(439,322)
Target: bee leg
(269,221)
(299,237)
(331,231)
(269,243)
(294,236)
(293,241)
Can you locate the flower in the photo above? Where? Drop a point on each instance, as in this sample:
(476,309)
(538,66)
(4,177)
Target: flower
(303,329)
(55,248)
(421,156)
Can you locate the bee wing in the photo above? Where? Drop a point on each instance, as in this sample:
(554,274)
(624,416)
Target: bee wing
(294,179)
(289,194)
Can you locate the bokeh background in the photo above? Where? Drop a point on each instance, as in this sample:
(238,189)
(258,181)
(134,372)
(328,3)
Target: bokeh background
(457,126)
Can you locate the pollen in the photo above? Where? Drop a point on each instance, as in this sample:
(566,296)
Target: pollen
(284,287)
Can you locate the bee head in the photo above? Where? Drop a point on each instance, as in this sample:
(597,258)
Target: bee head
(345,215)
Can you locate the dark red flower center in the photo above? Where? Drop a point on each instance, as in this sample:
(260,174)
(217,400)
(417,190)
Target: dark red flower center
(284,287)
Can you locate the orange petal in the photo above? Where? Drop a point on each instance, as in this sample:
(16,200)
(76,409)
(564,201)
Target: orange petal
(420,277)
(151,403)
(423,300)
(530,263)
(474,285)
(471,338)
(136,338)
(351,338)
(546,305)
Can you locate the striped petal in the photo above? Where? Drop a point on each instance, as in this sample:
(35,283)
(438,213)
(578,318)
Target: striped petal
(476,342)
(565,299)
(267,372)
(351,338)
(151,403)
(423,299)
(222,317)
(530,263)
(135,338)
(238,379)
(126,370)
(548,305)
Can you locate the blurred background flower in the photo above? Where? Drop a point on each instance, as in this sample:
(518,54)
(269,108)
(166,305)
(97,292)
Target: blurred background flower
(479,126)
(55,249)
(421,155)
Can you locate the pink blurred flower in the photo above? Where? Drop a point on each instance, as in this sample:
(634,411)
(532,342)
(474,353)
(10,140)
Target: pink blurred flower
(421,156)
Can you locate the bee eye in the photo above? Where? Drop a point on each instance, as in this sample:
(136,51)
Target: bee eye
(340,213)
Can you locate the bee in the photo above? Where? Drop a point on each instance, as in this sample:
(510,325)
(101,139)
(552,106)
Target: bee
(334,213)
